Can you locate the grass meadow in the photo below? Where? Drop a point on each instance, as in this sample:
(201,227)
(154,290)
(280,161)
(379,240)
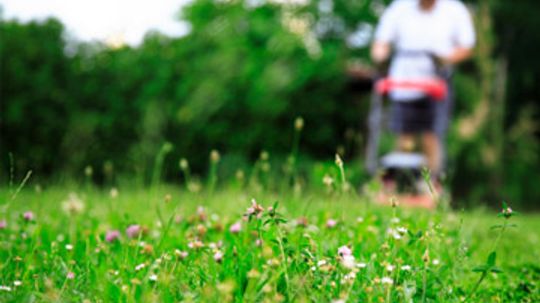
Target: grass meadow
(233,243)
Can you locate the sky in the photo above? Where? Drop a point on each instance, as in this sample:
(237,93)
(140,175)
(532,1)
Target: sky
(110,21)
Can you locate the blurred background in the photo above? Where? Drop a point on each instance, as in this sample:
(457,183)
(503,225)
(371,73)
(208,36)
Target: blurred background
(108,84)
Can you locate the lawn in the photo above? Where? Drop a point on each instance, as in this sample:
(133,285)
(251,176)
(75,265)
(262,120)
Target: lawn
(166,244)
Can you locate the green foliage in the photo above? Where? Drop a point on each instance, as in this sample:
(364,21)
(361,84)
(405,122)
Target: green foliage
(185,248)
(235,83)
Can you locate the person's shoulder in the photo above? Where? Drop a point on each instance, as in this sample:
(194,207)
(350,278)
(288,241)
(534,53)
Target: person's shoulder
(454,5)
(402,5)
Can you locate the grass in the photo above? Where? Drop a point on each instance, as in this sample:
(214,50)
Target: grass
(185,249)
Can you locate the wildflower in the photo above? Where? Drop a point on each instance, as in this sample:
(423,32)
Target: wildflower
(299,123)
(114,193)
(70,275)
(235,228)
(28,216)
(321,263)
(5,288)
(195,244)
(153,278)
(214,156)
(344,251)
(253,274)
(3,224)
(331,223)
(218,256)
(327,180)
(88,171)
(258,242)
(406,267)
(390,267)
(436,262)
(507,212)
(387,280)
(112,235)
(183,164)
(401,230)
(255,209)
(133,231)
(425,257)
(361,265)
(201,213)
(302,221)
(73,205)
(140,266)
(17,283)
(181,254)
(350,276)
(69,247)
(339,162)
(348,261)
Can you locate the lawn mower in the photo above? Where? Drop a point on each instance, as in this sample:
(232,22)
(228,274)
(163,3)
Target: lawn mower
(400,171)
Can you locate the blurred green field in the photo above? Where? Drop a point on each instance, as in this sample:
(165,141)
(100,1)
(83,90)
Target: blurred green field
(398,255)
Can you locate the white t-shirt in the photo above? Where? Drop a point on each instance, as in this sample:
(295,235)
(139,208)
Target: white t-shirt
(409,29)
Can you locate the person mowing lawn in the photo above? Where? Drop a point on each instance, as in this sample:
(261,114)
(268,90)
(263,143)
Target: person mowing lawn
(423,40)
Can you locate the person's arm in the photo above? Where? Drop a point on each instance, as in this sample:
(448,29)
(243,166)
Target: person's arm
(385,35)
(459,55)
(380,52)
(464,36)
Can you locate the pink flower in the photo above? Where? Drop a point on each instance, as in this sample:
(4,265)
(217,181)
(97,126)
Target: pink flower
(70,275)
(3,224)
(112,235)
(331,223)
(344,251)
(235,228)
(28,216)
(218,256)
(133,231)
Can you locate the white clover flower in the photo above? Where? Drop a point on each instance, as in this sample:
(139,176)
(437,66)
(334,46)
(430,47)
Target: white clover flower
(69,247)
(436,262)
(406,267)
(387,280)
(73,205)
(17,283)
(401,230)
(348,261)
(390,267)
(321,263)
(361,265)
(5,288)
(140,266)
(153,278)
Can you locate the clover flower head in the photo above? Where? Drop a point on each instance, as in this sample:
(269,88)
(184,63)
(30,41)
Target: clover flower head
(235,228)
(344,251)
(28,216)
(133,231)
(112,235)
(331,223)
